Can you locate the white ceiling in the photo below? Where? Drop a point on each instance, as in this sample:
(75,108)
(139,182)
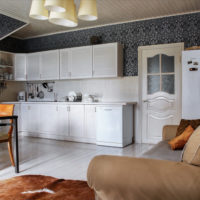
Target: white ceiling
(109,12)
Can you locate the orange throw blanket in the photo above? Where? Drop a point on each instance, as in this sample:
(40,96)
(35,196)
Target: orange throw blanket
(37,187)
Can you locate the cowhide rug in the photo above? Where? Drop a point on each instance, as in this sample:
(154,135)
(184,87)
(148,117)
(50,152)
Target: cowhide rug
(37,187)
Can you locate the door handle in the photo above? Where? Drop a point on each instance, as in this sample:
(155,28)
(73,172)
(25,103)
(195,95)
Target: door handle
(145,101)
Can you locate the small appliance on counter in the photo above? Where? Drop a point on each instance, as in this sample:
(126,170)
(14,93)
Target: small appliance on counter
(21,96)
(74,96)
(88,98)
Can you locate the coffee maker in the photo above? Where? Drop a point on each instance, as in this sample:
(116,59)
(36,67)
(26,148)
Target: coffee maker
(21,96)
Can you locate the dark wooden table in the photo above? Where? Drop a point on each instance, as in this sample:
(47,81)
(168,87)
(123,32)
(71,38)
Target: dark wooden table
(15,129)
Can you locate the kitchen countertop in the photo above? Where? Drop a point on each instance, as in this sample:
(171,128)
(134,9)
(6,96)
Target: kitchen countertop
(74,103)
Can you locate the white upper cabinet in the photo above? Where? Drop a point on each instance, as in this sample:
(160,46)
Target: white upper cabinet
(108,60)
(98,61)
(81,62)
(64,63)
(33,66)
(49,67)
(20,67)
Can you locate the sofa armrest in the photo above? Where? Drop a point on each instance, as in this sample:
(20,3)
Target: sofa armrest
(127,178)
(169,132)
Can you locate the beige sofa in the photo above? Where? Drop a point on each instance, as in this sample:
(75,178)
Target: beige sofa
(128,178)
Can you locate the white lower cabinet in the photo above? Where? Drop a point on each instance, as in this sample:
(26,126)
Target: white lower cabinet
(48,119)
(109,125)
(114,125)
(30,118)
(90,122)
(76,120)
(63,120)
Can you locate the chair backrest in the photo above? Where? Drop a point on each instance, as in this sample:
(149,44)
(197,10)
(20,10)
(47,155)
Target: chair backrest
(7,110)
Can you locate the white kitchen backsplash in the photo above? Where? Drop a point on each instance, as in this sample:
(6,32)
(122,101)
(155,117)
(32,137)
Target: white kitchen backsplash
(116,89)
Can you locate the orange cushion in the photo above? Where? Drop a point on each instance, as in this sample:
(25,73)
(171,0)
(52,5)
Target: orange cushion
(180,141)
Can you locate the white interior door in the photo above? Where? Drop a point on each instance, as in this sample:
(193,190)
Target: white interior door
(161,89)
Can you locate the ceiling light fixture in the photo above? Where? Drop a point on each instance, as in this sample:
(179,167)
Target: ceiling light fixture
(38,11)
(63,12)
(68,18)
(55,5)
(88,10)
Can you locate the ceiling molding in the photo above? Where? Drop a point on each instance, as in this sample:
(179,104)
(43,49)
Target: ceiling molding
(13,32)
(13,16)
(104,25)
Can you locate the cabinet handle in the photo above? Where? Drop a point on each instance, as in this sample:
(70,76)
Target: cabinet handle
(68,109)
(70,74)
(93,72)
(95,109)
(108,109)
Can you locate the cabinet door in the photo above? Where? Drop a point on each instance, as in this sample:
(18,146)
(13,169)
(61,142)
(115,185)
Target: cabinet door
(76,121)
(20,67)
(63,120)
(90,122)
(49,118)
(109,124)
(30,117)
(64,63)
(49,66)
(81,62)
(33,66)
(105,60)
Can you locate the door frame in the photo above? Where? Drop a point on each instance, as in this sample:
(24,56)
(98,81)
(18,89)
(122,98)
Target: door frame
(140,76)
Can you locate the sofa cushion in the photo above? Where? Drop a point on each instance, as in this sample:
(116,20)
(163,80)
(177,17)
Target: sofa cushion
(185,123)
(179,141)
(162,151)
(191,154)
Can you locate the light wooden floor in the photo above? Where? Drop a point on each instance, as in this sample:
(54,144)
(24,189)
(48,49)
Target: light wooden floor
(60,159)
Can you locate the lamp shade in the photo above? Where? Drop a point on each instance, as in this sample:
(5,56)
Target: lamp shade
(55,5)
(88,10)
(68,18)
(38,11)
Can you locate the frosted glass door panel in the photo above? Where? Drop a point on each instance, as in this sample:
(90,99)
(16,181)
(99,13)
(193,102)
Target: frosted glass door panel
(167,63)
(168,83)
(153,64)
(153,83)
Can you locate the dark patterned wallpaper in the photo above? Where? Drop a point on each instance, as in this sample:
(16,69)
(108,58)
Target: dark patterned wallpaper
(12,45)
(182,28)
(8,25)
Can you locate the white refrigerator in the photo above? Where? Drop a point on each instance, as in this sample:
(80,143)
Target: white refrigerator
(191,84)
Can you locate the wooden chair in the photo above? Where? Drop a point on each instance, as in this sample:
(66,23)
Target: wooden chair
(7,110)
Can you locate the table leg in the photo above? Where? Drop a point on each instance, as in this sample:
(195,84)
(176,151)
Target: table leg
(16,148)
